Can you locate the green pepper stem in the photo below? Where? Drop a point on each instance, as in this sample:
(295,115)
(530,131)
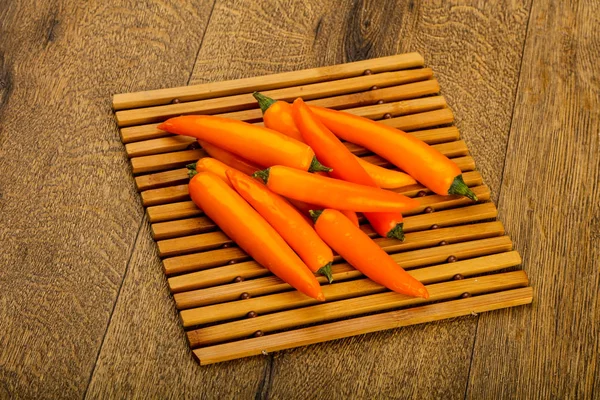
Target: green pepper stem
(326,270)
(263,175)
(315,214)
(460,187)
(397,232)
(316,166)
(264,102)
(191,170)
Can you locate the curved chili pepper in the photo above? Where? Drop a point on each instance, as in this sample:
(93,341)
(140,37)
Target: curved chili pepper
(287,221)
(254,143)
(345,165)
(332,193)
(305,208)
(208,164)
(251,232)
(364,254)
(421,161)
(229,159)
(277,115)
(386,178)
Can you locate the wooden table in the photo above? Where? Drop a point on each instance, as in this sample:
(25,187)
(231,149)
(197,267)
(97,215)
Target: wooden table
(85,309)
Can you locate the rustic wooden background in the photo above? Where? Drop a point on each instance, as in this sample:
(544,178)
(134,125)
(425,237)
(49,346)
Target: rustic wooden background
(84,306)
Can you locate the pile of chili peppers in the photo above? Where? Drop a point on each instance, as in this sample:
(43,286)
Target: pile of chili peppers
(288,193)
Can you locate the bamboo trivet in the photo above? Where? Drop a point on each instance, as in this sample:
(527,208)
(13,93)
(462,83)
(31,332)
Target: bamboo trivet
(230,306)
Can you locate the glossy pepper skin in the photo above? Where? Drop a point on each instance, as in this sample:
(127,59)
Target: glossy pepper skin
(345,165)
(277,115)
(287,221)
(364,254)
(229,159)
(257,144)
(332,193)
(421,161)
(251,232)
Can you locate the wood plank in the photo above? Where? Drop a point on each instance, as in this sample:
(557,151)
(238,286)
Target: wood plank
(549,200)
(175,143)
(251,269)
(271,284)
(245,101)
(394,93)
(353,307)
(478,72)
(362,325)
(268,82)
(69,213)
(339,291)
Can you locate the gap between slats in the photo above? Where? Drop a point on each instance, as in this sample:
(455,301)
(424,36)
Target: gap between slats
(336,291)
(268,82)
(246,101)
(362,325)
(407,91)
(328,311)
(230,290)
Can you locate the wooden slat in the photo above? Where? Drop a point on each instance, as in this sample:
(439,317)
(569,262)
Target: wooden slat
(272,284)
(162,179)
(161,162)
(176,143)
(408,259)
(351,308)
(362,325)
(394,93)
(275,81)
(340,291)
(165,195)
(171,211)
(190,226)
(220,257)
(218,239)
(421,120)
(245,101)
(213,240)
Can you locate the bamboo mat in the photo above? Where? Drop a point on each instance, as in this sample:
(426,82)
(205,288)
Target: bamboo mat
(230,306)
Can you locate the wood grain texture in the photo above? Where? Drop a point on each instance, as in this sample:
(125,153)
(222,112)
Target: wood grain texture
(145,350)
(549,202)
(473,42)
(69,212)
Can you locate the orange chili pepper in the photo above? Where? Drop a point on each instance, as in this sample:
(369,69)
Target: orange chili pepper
(421,161)
(386,178)
(305,208)
(287,221)
(254,143)
(332,193)
(364,254)
(346,166)
(208,164)
(277,115)
(251,232)
(229,159)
